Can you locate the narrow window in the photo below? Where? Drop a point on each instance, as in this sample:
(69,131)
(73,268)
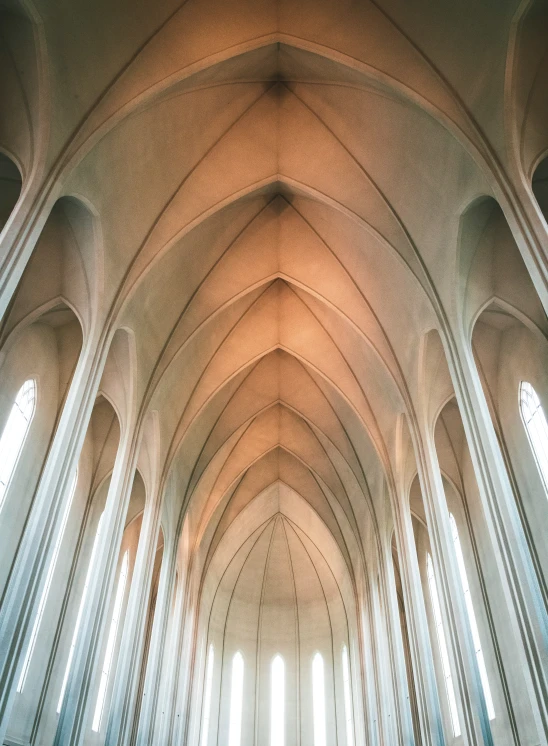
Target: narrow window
(14,434)
(47,584)
(347,698)
(111,642)
(80,613)
(236,701)
(277,702)
(444,655)
(207,694)
(318,700)
(472,621)
(536,426)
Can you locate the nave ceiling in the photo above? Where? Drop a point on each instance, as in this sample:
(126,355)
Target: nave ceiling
(278,191)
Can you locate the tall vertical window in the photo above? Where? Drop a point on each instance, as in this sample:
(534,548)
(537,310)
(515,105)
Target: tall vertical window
(536,426)
(207,695)
(47,584)
(236,701)
(111,642)
(444,655)
(472,621)
(14,434)
(347,697)
(80,613)
(318,700)
(277,702)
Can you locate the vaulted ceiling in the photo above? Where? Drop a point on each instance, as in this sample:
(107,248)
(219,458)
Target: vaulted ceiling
(279,187)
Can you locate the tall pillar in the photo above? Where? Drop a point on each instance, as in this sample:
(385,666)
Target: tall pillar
(404,722)
(473,717)
(22,593)
(428,704)
(74,716)
(169,669)
(149,707)
(386,714)
(526,606)
(126,682)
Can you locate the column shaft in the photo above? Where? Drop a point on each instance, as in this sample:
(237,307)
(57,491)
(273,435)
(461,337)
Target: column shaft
(37,545)
(73,719)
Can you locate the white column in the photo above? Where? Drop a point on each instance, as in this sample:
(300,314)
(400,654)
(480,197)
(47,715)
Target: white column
(26,580)
(126,682)
(417,629)
(402,706)
(385,693)
(526,607)
(185,655)
(74,717)
(473,717)
(149,706)
(170,666)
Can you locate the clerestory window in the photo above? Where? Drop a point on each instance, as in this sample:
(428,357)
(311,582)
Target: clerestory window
(236,700)
(536,427)
(14,434)
(277,702)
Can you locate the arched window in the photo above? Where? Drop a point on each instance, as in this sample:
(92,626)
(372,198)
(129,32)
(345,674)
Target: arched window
(318,700)
(472,620)
(444,654)
(14,434)
(347,697)
(536,426)
(47,584)
(236,700)
(207,695)
(111,642)
(277,702)
(80,613)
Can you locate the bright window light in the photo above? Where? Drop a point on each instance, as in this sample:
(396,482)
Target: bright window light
(277,702)
(536,426)
(442,647)
(236,701)
(347,698)
(318,700)
(472,621)
(14,434)
(47,584)
(207,695)
(80,613)
(111,642)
